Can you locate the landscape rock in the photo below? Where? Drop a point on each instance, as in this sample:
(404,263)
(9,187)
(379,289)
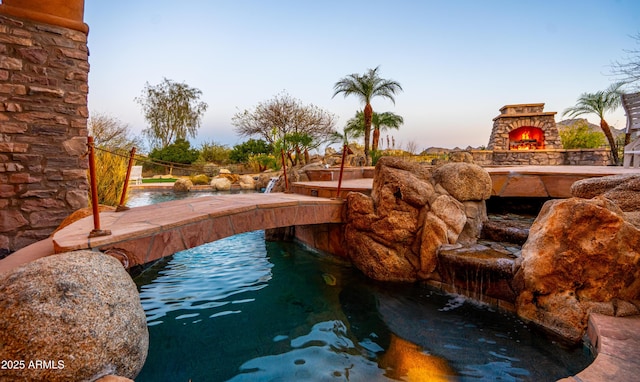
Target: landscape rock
(182,185)
(247,182)
(80,310)
(461,156)
(395,234)
(264,179)
(221,184)
(469,182)
(624,190)
(581,255)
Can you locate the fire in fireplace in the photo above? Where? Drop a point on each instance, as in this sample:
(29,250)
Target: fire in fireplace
(526,138)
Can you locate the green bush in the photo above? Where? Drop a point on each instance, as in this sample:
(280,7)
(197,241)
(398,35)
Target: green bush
(243,152)
(579,136)
(212,152)
(199,180)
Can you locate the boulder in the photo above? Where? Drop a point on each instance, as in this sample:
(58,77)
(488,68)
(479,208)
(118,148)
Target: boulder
(464,181)
(264,179)
(80,311)
(182,185)
(623,190)
(247,182)
(221,184)
(233,178)
(581,256)
(461,156)
(395,234)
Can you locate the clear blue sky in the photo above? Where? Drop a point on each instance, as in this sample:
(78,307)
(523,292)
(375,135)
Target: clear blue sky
(458,61)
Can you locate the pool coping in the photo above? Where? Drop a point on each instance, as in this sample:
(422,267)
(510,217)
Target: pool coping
(616,342)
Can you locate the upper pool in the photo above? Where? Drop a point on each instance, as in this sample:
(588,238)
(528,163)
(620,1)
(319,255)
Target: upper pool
(243,309)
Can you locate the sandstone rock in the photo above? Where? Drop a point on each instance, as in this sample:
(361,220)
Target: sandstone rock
(624,190)
(452,213)
(233,178)
(182,185)
(313,166)
(264,179)
(378,261)
(221,184)
(476,212)
(464,181)
(80,308)
(580,254)
(434,234)
(505,231)
(395,233)
(461,156)
(247,182)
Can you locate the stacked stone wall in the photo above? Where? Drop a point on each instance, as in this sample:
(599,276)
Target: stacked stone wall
(582,157)
(43,128)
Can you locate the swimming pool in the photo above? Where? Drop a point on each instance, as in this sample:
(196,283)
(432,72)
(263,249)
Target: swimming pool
(243,309)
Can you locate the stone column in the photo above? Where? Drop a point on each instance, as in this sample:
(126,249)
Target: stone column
(43,117)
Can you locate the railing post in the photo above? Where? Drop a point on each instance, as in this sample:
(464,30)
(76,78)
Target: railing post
(284,167)
(123,197)
(94,192)
(344,154)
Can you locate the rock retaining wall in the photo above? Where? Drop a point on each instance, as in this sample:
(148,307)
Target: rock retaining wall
(581,157)
(43,128)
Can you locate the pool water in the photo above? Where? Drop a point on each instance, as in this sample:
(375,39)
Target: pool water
(243,309)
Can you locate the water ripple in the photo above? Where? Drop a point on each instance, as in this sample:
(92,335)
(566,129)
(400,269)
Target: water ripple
(207,278)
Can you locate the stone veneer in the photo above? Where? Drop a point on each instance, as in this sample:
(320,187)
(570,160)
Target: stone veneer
(513,117)
(574,157)
(43,128)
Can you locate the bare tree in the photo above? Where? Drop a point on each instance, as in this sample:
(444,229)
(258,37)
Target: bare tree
(284,117)
(109,132)
(412,147)
(628,70)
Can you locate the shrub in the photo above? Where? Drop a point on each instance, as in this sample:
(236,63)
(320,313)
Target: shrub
(111,171)
(579,136)
(199,180)
(213,152)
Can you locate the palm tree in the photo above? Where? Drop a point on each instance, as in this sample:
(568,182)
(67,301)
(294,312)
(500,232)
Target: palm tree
(366,87)
(599,103)
(379,122)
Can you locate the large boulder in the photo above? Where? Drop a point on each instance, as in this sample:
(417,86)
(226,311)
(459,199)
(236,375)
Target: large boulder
(182,185)
(395,234)
(581,256)
(221,184)
(247,182)
(79,312)
(469,182)
(623,190)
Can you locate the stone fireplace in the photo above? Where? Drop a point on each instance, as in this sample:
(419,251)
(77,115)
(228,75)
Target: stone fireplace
(524,127)
(525,134)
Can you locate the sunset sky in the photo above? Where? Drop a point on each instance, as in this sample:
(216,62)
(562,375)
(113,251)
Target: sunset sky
(458,61)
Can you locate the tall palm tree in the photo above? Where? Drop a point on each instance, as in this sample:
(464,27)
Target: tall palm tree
(379,122)
(366,87)
(599,103)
